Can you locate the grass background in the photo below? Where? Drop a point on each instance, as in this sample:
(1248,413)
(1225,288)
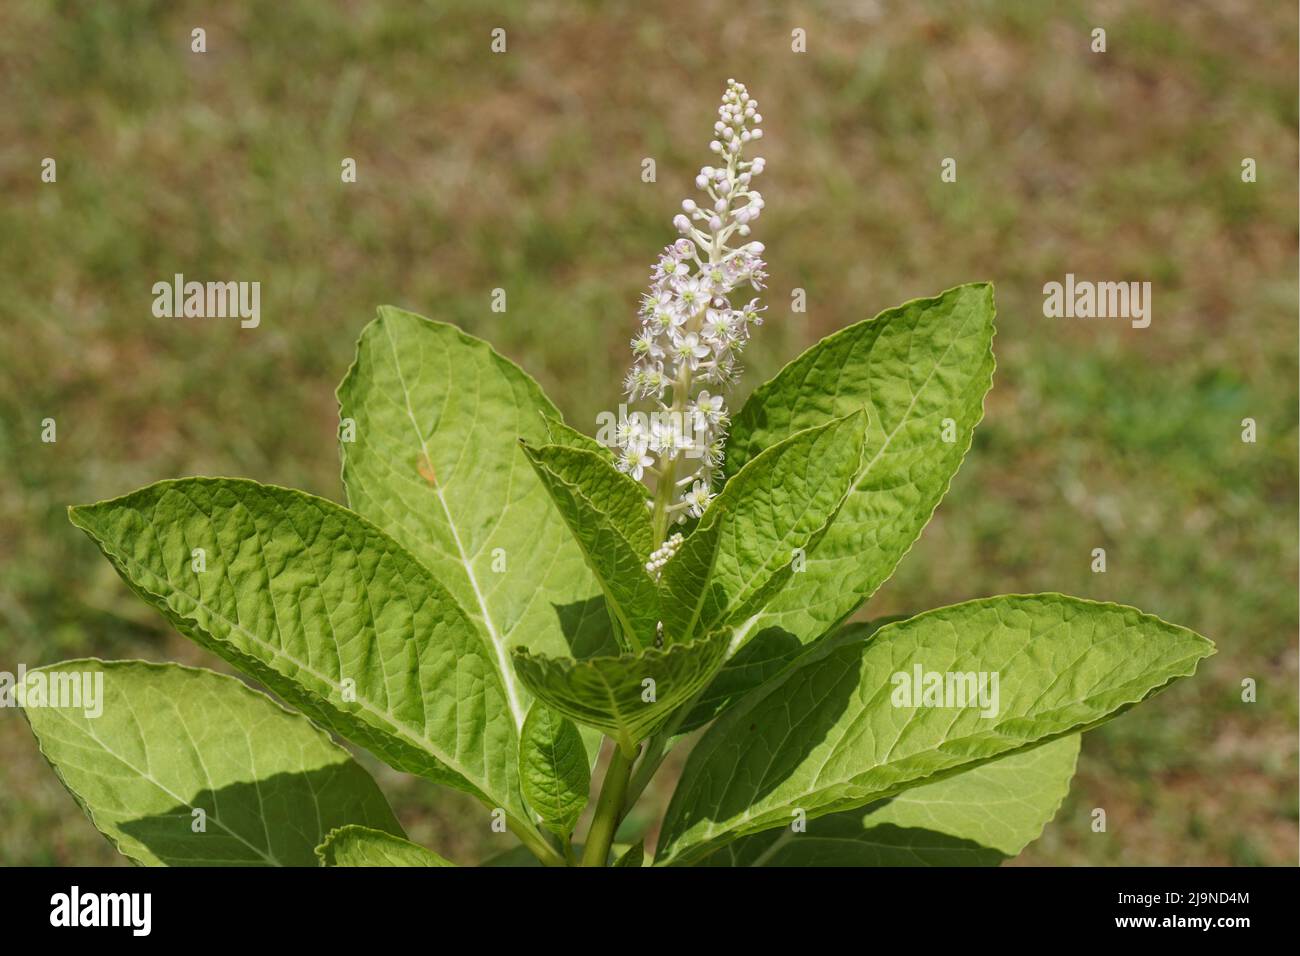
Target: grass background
(522,171)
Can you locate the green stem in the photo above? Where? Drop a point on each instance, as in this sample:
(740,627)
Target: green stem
(663,498)
(655,751)
(609,809)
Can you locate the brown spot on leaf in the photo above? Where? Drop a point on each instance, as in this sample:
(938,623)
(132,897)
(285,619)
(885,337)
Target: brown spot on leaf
(425,468)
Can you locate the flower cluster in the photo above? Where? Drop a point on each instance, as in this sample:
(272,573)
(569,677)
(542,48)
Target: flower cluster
(691,332)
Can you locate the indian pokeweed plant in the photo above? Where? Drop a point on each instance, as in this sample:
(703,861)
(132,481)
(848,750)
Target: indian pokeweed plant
(504,591)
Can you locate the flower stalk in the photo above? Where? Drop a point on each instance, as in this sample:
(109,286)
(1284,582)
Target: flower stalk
(691,335)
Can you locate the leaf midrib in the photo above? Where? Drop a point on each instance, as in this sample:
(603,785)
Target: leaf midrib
(495,640)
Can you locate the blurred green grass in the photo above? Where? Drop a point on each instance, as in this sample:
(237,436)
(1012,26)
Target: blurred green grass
(522,171)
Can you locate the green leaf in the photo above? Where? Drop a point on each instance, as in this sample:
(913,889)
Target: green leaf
(436,464)
(554,769)
(362,846)
(1002,805)
(765,656)
(977,818)
(168,741)
(783,500)
(606,511)
(558,433)
(832,733)
(632,856)
(329,613)
(912,367)
(685,581)
(627,697)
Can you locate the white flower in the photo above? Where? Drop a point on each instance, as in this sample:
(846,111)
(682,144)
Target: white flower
(632,382)
(692,295)
(653,381)
(715,323)
(711,407)
(665,438)
(634,460)
(689,349)
(697,499)
(630,431)
(664,317)
(646,345)
(716,279)
(669,267)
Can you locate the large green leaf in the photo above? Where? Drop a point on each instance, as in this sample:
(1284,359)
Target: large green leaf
(328,612)
(912,367)
(781,501)
(627,697)
(554,769)
(606,511)
(186,767)
(436,464)
(830,734)
(362,846)
(977,818)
